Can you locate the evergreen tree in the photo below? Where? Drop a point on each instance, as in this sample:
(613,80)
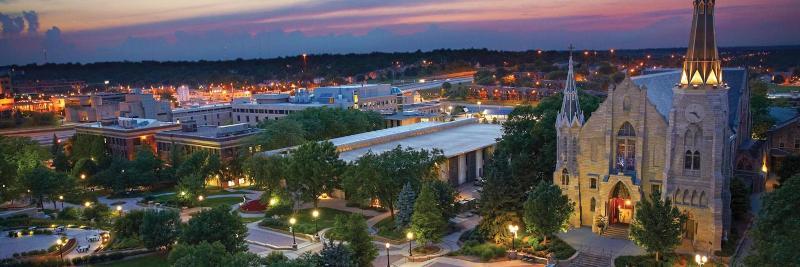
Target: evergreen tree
(547,210)
(500,199)
(336,255)
(777,228)
(445,197)
(360,243)
(405,206)
(427,222)
(60,161)
(657,225)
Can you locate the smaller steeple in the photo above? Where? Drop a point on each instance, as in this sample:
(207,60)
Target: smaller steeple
(570,108)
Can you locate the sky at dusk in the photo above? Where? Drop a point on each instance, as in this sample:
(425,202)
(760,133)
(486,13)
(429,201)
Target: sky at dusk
(102,30)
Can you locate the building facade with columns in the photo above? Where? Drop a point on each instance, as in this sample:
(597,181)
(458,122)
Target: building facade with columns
(673,132)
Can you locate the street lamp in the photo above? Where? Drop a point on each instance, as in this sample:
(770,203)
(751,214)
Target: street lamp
(700,260)
(60,244)
(200,198)
(87,204)
(292,221)
(409,236)
(119,210)
(61,198)
(513,229)
(315,214)
(83,176)
(388,263)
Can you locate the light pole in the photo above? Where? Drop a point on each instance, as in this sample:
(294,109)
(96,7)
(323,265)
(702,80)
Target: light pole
(388,262)
(292,221)
(409,236)
(119,210)
(513,229)
(315,214)
(61,198)
(60,244)
(700,260)
(87,204)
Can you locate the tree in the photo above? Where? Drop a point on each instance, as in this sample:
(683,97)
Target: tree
(445,197)
(358,239)
(313,169)
(97,212)
(657,225)
(159,228)
(427,222)
(202,254)
(279,134)
(43,182)
(777,227)
(336,255)
(789,167)
(217,224)
(547,210)
(128,226)
(405,206)
(18,156)
(740,199)
(266,172)
(60,161)
(500,199)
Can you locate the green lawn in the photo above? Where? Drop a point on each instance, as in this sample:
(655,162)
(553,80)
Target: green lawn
(227,201)
(387,229)
(251,219)
(305,222)
(154,260)
(783,88)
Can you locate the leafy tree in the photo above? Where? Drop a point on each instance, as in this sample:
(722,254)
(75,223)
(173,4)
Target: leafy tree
(740,199)
(43,182)
(60,161)
(159,228)
(313,169)
(657,225)
(18,156)
(336,255)
(97,212)
(266,172)
(315,124)
(279,134)
(217,224)
(484,77)
(777,227)
(445,197)
(547,210)
(427,222)
(759,109)
(128,226)
(202,254)
(405,206)
(500,199)
(91,147)
(789,167)
(359,241)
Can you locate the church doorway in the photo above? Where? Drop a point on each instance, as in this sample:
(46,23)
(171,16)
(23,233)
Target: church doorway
(619,207)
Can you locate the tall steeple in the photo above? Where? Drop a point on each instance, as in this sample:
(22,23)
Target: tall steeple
(702,65)
(570,108)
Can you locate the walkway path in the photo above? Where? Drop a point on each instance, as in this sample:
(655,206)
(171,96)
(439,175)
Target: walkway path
(583,240)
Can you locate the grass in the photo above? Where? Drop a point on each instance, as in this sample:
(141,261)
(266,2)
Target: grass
(305,222)
(227,201)
(386,228)
(154,260)
(783,88)
(251,219)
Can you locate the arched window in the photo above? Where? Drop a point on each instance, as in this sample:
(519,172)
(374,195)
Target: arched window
(564,177)
(702,201)
(626,147)
(694,199)
(593,183)
(592,204)
(685,196)
(696,160)
(687,160)
(692,141)
(675,194)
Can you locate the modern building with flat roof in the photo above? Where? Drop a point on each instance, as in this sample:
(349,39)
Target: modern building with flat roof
(124,136)
(215,114)
(191,137)
(465,143)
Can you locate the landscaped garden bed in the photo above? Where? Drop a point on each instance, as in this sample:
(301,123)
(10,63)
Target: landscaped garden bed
(304,220)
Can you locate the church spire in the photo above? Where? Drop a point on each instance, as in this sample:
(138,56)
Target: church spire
(702,65)
(570,108)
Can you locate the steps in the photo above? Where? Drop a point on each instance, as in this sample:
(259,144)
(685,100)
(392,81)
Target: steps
(616,231)
(591,260)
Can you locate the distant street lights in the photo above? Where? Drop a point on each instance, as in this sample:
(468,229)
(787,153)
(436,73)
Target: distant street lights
(292,221)
(513,229)
(409,236)
(388,261)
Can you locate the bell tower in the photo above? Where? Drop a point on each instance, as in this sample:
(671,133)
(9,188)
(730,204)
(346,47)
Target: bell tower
(699,137)
(568,126)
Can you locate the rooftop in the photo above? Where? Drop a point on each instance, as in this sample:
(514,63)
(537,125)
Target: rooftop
(213,132)
(127,124)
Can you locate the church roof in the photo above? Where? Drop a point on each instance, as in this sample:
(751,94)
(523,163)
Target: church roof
(570,108)
(660,85)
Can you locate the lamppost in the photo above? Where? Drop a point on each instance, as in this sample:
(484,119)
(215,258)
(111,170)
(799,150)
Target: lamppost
(315,214)
(409,236)
(87,204)
(61,198)
(119,210)
(292,221)
(513,229)
(60,244)
(388,262)
(700,260)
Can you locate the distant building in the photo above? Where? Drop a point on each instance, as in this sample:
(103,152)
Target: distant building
(783,140)
(183,94)
(109,106)
(124,136)
(217,114)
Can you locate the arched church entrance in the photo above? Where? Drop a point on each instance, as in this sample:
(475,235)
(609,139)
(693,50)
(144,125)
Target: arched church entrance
(619,206)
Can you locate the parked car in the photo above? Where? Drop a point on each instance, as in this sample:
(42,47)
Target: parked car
(93,238)
(83,248)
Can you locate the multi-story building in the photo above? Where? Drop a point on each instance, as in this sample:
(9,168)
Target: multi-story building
(674,133)
(217,114)
(783,140)
(109,106)
(124,136)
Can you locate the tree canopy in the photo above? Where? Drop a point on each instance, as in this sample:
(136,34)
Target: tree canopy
(314,168)
(547,210)
(777,227)
(217,224)
(657,225)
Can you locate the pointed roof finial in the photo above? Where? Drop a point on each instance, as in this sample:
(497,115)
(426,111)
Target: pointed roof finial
(570,108)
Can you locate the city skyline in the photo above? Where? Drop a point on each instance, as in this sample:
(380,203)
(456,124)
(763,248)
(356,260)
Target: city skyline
(90,31)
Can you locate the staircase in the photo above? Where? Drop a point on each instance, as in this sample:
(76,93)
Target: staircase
(616,231)
(585,259)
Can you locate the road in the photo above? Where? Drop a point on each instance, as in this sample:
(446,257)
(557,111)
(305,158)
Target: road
(44,136)
(410,88)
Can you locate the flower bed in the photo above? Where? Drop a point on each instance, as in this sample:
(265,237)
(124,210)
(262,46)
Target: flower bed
(253,206)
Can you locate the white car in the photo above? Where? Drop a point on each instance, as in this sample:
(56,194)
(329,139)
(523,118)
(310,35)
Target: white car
(93,238)
(83,248)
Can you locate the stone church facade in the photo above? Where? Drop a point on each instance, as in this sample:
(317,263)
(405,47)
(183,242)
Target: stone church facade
(675,132)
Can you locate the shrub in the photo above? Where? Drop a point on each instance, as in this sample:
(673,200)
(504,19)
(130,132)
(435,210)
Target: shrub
(279,210)
(272,222)
(486,252)
(69,213)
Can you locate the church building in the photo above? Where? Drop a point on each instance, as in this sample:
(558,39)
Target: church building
(674,132)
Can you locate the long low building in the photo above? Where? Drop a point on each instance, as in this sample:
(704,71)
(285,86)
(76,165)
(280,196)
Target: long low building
(465,143)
